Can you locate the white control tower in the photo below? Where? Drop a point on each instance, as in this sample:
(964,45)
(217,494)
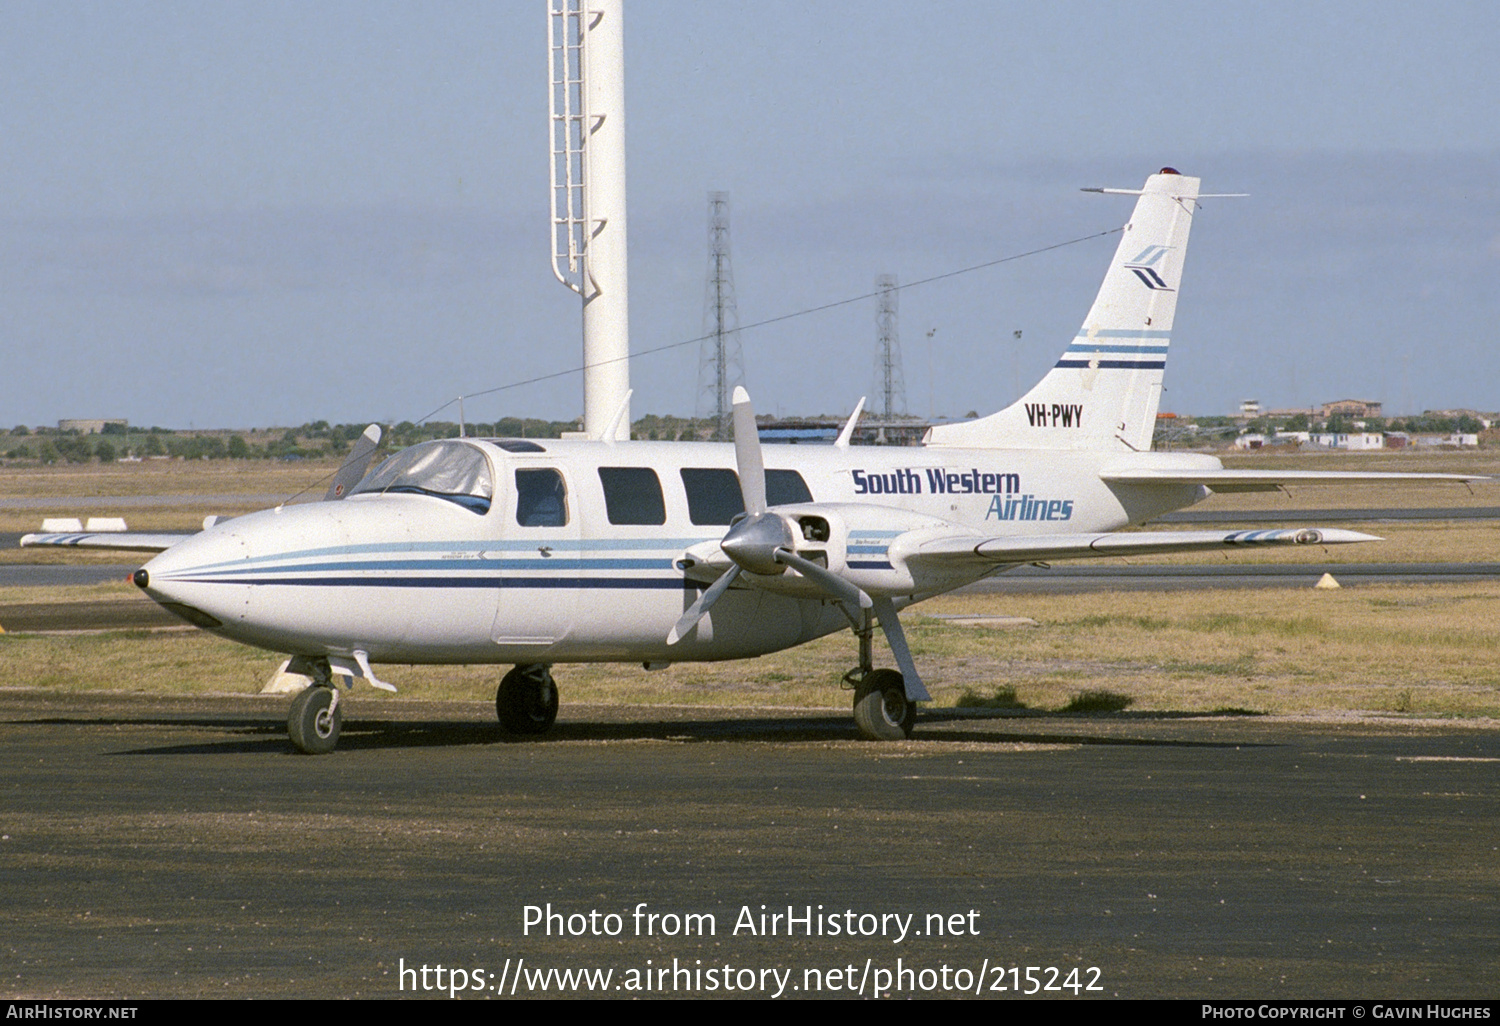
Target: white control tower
(587,58)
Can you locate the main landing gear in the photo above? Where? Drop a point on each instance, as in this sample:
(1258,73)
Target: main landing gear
(882,712)
(881,709)
(526,700)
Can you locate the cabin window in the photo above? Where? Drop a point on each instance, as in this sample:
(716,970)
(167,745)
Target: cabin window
(632,495)
(786,486)
(713,493)
(445,469)
(541,498)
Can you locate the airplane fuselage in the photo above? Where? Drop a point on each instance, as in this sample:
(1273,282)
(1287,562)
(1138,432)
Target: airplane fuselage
(571,534)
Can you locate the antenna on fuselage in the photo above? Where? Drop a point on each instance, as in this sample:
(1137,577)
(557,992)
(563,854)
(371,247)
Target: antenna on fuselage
(587,61)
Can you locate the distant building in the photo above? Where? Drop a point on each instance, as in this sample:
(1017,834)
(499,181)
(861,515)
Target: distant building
(1359,441)
(814,434)
(1353,408)
(92,427)
(869,430)
(1457,440)
(1250,408)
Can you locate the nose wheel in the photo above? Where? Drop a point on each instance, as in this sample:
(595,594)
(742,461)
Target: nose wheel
(526,700)
(314,721)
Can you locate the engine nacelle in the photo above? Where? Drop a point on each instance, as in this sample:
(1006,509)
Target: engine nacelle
(850,540)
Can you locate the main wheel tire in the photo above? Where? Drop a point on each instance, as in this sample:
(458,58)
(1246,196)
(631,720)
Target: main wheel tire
(881,709)
(526,700)
(313,723)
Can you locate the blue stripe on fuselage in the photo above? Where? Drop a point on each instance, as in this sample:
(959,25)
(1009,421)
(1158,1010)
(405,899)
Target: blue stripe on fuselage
(389,565)
(486,583)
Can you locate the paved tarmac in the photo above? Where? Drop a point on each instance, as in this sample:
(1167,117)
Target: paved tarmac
(164,847)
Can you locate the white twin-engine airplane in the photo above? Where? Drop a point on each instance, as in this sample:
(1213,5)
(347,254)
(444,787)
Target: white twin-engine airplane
(542,552)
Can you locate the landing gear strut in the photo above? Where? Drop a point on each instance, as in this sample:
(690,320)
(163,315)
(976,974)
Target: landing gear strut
(882,712)
(526,700)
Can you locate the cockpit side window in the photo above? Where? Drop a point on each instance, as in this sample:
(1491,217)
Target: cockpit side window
(632,495)
(541,498)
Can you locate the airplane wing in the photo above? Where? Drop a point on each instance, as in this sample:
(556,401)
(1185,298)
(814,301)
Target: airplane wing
(1266,480)
(967,549)
(123,541)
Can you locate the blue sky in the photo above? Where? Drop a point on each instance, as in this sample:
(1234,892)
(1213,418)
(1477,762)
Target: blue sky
(252,214)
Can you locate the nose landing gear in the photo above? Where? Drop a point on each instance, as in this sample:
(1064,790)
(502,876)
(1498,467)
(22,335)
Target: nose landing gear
(314,721)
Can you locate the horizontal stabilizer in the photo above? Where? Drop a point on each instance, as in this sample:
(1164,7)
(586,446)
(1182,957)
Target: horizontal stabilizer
(122,541)
(1265,480)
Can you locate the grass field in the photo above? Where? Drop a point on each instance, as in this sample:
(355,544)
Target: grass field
(163,477)
(1426,650)
(1430,650)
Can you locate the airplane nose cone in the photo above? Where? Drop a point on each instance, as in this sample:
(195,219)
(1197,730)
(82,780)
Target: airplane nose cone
(283,578)
(174,580)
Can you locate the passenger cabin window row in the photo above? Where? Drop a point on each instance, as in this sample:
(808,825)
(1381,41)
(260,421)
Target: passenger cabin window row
(633,495)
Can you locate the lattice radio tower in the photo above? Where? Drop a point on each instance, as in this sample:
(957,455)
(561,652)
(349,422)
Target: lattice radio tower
(721,364)
(890,382)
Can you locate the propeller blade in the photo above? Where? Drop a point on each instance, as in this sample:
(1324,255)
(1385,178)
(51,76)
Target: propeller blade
(747,454)
(885,612)
(850,596)
(701,605)
(355,464)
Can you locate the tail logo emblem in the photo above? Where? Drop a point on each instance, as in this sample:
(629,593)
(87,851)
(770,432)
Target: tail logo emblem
(1144,267)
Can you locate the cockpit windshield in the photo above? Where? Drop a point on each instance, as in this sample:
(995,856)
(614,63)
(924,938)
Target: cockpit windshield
(445,469)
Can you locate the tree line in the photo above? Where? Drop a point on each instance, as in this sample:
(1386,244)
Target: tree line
(315,440)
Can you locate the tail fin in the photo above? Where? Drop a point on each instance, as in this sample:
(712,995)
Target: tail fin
(1104,392)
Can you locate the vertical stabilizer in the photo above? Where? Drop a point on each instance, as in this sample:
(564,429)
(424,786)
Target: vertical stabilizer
(1104,391)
